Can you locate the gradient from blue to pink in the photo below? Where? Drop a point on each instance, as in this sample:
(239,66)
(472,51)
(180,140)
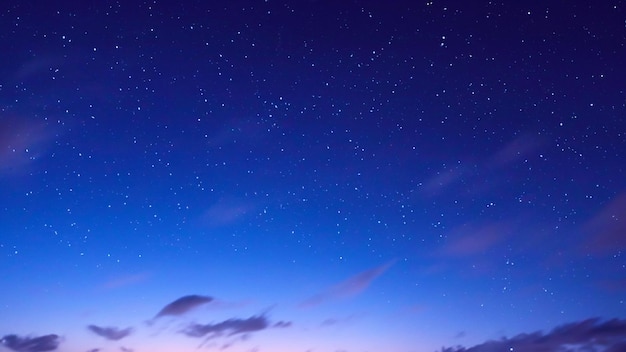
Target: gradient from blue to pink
(394,177)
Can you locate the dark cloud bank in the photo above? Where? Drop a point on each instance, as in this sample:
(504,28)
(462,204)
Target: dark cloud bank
(30,344)
(591,335)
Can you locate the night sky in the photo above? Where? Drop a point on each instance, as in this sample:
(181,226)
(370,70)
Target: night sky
(313,176)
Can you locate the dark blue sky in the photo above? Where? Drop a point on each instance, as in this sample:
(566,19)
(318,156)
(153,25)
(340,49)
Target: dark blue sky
(312,176)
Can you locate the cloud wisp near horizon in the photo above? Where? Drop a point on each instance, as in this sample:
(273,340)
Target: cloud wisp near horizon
(591,334)
(347,288)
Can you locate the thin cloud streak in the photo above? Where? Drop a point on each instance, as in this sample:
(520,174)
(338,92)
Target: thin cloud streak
(507,156)
(125,281)
(21,143)
(225,212)
(606,230)
(469,239)
(348,288)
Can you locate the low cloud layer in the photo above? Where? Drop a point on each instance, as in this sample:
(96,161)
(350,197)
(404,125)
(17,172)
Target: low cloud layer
(587,335)
(350,287)
(31,344)
(110,333)
(183,305)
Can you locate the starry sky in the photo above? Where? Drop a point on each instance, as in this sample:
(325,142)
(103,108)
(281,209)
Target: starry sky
(313,176)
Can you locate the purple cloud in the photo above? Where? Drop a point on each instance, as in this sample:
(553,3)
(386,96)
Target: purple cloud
(350,287)
(110,333)
(587,335)
(183,305)
(30,344)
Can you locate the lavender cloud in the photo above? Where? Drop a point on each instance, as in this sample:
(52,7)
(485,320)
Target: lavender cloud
(110,333)
(588,335)
(350,287)
(30,344)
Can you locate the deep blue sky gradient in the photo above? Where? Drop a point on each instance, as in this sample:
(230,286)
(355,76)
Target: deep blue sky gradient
(330,175)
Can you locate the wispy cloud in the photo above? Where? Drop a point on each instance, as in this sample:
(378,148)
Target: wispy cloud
(22,141)
(225,212)
(470,171)
(471,239)
(228,327)
(518,148)
(282,324)
(37,66)
(229,332)
(443,179)
(606,230)
(338,321)
(110,333)
(587,335)
(125,280)
(614,285)
(31,344)
(350,287)
(183,305)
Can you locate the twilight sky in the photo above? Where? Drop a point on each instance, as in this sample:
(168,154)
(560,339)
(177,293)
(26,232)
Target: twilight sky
(313,176)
